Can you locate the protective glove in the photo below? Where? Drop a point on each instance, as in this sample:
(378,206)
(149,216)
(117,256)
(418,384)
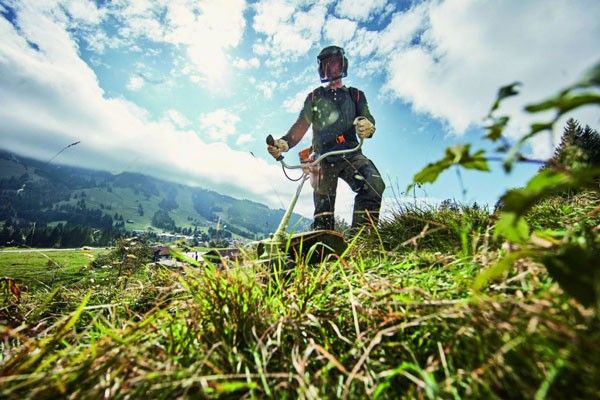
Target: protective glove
(279,146)
(364,127)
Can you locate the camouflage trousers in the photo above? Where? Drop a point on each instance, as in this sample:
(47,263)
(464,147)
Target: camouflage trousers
(363,178)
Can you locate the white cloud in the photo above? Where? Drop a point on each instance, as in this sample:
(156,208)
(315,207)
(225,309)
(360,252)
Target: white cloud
(360,10)
(375,48)
(244,139)
(204,31)
(270,15)
(387,11)
(339,30)
(295,103)
(471,48)
(244,64)
(413,76)
(177,118)
(135,83)
(98,41)
(84,11)
(402,29)
(219,124)
(290,32)
(266,88)
(52,98)
(363,45)
(193,23)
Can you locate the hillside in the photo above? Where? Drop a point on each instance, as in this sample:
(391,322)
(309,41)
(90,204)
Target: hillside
(32,191)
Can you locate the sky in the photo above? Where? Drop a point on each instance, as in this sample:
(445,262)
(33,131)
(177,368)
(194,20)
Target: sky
(187,91)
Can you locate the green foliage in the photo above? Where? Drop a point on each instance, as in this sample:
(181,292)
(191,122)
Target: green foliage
(458,155)
(162,220)
(503,93)
(565,101)
(545,184)
(129,253)
(579,147)
(512,227)
(169,203)
(575,266)
(572,260)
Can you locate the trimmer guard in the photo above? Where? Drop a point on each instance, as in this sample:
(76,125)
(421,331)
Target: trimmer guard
(313,247)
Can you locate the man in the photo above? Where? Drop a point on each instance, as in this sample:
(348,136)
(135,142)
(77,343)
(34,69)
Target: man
(338,115)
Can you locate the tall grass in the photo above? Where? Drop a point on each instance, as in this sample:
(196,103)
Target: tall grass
(446,229)
(377,322)
(565,210)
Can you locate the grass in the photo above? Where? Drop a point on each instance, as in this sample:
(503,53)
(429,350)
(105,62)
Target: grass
(35,267)
(382,321)
(447,229)
(559,211)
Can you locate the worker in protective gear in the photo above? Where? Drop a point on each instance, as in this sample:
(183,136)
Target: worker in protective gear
(339,116)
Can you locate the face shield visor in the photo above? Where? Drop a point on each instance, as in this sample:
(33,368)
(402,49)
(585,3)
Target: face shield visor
(332,66)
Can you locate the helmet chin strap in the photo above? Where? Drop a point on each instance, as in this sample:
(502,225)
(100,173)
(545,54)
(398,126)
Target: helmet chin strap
(327,79)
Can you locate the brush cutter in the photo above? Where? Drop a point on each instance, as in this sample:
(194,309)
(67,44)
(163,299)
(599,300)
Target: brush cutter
(313,246)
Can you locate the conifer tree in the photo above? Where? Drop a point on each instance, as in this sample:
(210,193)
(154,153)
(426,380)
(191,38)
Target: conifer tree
(579,147)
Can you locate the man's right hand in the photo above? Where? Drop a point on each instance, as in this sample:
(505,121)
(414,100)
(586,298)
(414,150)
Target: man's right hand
(279,146)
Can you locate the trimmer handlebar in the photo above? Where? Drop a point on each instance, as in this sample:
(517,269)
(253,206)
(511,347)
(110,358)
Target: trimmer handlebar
(271,142)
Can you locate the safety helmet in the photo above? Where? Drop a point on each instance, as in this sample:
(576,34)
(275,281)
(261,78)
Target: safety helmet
(326,57)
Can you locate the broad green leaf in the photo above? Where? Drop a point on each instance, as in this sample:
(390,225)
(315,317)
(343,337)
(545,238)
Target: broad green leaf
(503,148)
(542,106)
(513,154)
(564,102)
(541,185)
(516,200)
(548,179)
(454,155)
(512,227)
(546,183)
(459,154)
(540,126)
(476,161)
(431,171)
(568,103)
(495,130)
(577,270)
(504,92)
(586,177)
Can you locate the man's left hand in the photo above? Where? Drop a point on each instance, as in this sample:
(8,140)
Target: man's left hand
(364,127)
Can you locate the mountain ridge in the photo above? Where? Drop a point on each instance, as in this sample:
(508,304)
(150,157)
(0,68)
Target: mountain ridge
(33,192)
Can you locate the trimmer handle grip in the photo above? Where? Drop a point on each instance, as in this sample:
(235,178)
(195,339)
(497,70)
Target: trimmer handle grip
(271,142)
